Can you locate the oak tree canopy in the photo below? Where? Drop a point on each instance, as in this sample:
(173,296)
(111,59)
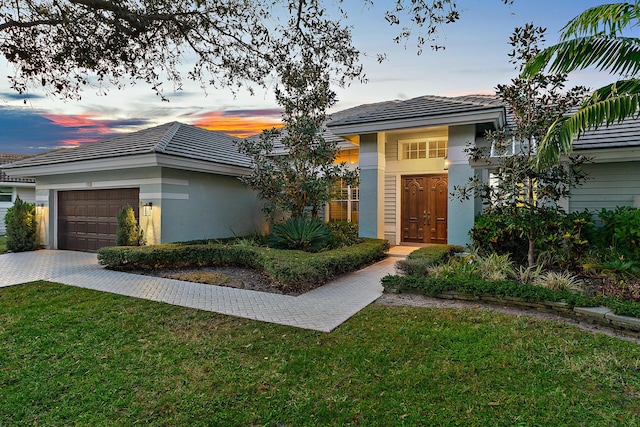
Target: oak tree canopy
(64,46)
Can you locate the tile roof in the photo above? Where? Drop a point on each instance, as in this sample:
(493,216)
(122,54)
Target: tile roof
(6,158)
(174,139)
(422,106)
(625,134)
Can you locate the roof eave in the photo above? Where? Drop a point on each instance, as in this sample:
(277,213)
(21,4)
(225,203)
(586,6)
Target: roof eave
(493,115)
(128,162)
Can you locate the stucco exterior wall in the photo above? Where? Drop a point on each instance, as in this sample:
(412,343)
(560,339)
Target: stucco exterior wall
(209,206)
(461,214)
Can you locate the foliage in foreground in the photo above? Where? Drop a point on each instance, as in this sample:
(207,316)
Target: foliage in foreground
(76,356)
(3,244)
(288,267)
(419,261)
(20,221)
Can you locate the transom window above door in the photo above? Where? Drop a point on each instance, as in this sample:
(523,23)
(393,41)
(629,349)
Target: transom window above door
(423,149)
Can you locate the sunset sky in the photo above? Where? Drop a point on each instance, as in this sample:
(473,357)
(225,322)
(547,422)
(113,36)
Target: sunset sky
(474,61)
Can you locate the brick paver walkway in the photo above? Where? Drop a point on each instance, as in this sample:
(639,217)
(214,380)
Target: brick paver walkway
(322,309)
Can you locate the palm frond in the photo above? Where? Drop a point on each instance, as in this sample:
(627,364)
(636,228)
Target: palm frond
(620,55)
(609,19)
(610,104)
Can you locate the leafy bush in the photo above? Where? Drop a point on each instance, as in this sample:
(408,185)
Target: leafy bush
(128,232)
(20,221)
(343,233)
(563,241)
(621,229)
(292,269)
(421,260)
(300,233)
(493,232)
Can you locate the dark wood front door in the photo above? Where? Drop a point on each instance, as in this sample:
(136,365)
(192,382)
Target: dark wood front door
(424,208)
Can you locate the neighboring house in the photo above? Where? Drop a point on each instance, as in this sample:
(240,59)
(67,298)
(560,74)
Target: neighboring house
(181,181)
(411,155)
(12,187)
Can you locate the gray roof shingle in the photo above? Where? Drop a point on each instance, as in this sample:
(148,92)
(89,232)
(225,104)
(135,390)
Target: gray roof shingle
(175,139)
(6,158)
(423,106)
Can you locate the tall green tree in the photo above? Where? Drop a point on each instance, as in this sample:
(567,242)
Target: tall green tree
(597,37)
(66,45)
(294,168)
(527,197)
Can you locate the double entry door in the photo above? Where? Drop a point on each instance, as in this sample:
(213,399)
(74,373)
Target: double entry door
(424,208)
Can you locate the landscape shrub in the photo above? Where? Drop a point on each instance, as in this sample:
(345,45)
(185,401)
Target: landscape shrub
(433,286)
(563,242)
(343,233)
(20,222)
(128,233)
(621,229)
(300,233)
(419,261)
(290,268)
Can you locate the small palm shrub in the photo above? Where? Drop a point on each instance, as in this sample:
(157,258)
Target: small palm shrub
(300,233)
(20,221)
(528,275)
(493,266)
(560,281)
(128,232)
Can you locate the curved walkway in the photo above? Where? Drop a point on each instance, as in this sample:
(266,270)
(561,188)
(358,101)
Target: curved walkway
(322,309)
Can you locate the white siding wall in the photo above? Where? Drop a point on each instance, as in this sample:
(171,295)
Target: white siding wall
(609,185)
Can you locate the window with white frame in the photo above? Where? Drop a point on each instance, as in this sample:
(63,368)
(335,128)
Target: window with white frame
(344,206)
(6,194)
(423,149)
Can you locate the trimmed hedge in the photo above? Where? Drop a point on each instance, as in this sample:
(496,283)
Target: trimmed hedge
(418,261)
(287,267)
(433,286)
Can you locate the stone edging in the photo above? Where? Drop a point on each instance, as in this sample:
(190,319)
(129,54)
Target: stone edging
(599,315)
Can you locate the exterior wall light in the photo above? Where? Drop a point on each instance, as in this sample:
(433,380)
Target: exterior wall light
(446,163)
(147,208)
(39,208)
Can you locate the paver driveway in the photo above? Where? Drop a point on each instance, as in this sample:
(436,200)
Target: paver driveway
(322,309)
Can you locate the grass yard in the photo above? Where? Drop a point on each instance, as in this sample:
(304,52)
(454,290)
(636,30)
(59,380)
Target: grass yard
(72,356)
(3,244)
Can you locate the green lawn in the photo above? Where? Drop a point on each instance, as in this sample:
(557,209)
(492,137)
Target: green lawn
(72,356)
(3,244)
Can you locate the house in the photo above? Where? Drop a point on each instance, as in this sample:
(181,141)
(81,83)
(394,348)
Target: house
(411,155)
(12,187)
(181,181)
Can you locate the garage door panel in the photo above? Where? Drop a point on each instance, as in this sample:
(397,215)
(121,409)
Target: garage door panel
(87,219)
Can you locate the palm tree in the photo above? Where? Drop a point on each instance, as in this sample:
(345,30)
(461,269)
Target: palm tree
(596,38)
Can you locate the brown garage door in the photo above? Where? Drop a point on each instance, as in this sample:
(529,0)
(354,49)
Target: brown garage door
(87,219)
